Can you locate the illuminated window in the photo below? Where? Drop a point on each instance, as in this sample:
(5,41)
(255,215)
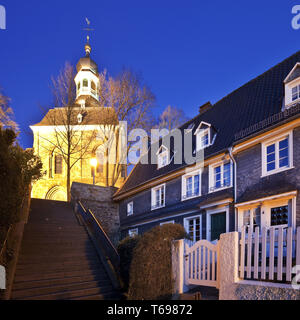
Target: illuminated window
(85,83)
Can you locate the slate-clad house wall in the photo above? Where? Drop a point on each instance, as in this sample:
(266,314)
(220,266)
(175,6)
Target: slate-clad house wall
(238,126)
(250,183)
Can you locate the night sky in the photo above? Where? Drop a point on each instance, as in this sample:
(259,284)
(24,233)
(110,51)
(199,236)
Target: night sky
(188,51)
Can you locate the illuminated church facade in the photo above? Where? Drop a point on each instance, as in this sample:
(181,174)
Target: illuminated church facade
(87,122)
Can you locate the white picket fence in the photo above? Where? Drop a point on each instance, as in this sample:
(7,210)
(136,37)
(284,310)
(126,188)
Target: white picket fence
(201,263)
(269,254)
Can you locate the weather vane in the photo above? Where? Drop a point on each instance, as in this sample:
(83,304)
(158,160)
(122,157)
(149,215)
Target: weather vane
(88,29)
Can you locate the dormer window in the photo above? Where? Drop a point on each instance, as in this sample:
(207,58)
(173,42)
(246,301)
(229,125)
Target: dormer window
(296,93)
(162,157)
(203,136)
(292,87)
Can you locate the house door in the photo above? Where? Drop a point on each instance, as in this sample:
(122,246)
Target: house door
(218,225)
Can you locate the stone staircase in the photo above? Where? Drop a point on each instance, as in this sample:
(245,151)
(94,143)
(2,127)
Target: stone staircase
(57,258)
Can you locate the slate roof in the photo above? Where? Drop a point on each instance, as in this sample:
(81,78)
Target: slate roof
(91,116)
(252,103)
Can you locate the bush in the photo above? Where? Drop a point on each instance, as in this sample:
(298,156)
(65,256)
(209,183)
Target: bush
(125,250)
(18,168)
(151,266)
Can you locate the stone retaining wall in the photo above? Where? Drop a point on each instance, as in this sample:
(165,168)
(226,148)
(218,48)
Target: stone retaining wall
(99,200)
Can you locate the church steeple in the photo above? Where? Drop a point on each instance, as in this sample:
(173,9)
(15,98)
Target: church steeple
(87,80)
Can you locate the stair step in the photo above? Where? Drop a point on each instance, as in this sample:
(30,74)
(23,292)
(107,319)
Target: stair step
(23,260)
(101,278)
(69,294)
(108,296)
(54,289)
(49,268)
(57,259)
(60,274)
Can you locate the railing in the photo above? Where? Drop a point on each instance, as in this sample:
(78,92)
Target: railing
(220,187)
(269,254)
(100,236)
(4,245)
(190,195)
(157,206)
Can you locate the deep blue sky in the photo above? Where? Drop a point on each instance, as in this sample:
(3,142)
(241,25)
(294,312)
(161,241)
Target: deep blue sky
(188,51)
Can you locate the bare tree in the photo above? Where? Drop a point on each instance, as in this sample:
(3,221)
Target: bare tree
(69,139)
(171,118)
(6,114)
(132,101)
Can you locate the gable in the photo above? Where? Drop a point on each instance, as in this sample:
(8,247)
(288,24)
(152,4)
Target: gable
(294,74)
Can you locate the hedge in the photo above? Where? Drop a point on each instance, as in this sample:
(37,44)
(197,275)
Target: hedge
(151,266)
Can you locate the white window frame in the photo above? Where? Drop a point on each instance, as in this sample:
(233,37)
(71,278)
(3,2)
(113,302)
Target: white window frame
(186,225)
(276,140)
(211,170)
(133,232)
(167,222)
(199,136)
(184,185)
(130,212)
(153,197)
(160,155)
(265,210)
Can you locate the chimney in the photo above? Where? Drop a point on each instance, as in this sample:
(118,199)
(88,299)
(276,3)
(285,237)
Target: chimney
(205,107)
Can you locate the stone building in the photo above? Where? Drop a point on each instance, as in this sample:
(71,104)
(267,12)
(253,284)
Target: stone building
(85,126)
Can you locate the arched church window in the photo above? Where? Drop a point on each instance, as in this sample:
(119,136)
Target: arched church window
(85,83)
(58,164)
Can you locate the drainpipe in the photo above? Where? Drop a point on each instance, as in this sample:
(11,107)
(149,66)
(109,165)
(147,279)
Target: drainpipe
(234,185)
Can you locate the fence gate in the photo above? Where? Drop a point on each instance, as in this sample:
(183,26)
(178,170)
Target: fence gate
(201,263)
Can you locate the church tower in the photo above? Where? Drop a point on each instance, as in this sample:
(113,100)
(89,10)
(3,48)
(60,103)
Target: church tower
(87,78)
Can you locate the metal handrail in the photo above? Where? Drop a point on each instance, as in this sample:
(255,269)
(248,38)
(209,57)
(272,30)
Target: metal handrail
(4,246)
(100,235)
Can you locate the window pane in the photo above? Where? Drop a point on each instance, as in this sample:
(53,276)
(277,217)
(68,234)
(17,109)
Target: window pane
(271,166)
(271,148)
(271,157)
(256,218)
(196,184)
(283,144)
(157,197)
(279,216)
(246,218)
(218,177)
(227,174)
(162,199)
(284,162)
